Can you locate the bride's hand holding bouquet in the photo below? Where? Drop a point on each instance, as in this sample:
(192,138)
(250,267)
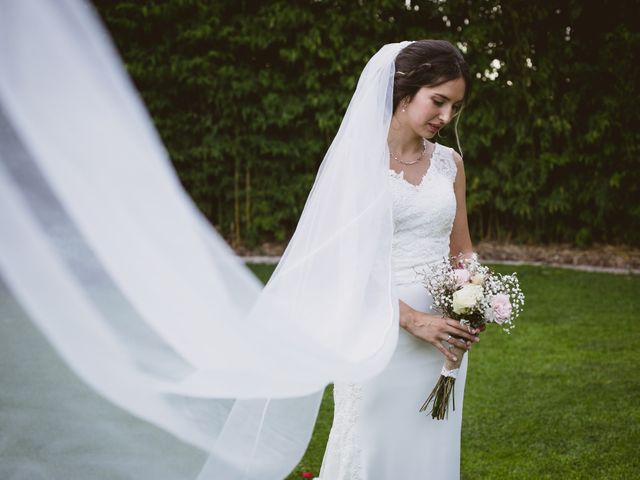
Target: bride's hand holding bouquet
(439,330)
(468,295)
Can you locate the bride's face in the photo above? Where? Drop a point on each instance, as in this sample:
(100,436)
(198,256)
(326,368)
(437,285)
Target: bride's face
(433,107)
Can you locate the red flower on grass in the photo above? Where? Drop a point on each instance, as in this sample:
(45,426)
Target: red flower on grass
(307,475)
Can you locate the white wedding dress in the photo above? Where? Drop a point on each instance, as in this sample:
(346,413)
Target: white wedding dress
(378,432)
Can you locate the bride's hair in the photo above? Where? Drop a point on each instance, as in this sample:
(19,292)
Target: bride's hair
(428,63)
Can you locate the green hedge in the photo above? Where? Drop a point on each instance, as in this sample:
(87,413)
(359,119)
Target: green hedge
(248,95)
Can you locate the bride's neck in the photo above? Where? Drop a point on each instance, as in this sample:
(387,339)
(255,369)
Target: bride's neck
(402,140)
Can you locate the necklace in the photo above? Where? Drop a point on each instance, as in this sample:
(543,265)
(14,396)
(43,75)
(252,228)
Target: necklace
(420,157)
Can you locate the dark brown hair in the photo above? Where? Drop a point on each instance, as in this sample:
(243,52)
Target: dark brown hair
(427,63)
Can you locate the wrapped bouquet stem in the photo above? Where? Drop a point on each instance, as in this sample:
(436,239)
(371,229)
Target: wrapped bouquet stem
(445,387)
(473,294)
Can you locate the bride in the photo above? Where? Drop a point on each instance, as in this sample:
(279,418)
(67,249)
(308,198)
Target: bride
(112,279)
(378,432)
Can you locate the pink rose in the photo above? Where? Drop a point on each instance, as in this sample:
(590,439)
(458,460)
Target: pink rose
(500,308)
(462,276)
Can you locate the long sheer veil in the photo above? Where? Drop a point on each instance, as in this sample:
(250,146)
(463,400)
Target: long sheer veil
(111,275)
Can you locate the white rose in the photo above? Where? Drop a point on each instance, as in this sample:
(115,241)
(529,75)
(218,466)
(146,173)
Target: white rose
(466,298)
(477,279)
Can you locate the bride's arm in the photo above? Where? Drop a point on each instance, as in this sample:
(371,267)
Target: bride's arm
(460,240)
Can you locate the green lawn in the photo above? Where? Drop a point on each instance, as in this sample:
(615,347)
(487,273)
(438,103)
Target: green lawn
(559,398)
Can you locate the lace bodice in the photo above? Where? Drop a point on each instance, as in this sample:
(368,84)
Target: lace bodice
(423,216)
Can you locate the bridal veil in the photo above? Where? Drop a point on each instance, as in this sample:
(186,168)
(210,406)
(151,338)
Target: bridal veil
(112,279)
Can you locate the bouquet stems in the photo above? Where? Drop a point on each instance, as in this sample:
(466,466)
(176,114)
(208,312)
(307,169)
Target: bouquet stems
(445,388)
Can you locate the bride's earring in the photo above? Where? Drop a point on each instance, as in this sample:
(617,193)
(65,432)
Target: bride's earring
(404,106)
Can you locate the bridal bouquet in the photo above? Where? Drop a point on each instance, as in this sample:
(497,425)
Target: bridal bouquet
(465,290)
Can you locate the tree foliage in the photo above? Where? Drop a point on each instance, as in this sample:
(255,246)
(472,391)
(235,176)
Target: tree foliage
(248,95)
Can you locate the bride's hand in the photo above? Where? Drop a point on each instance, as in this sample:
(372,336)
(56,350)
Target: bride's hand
(436,329)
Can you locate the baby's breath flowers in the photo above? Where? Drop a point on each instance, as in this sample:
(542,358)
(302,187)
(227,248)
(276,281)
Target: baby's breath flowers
(467,291)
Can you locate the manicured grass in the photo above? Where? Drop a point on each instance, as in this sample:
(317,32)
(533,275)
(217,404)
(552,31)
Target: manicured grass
(558,398)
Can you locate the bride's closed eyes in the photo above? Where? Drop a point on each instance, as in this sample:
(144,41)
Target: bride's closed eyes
(440,103)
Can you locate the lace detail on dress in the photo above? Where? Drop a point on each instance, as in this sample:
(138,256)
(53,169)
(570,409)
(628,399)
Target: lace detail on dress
(442,162)
(423,216)
(343,458)
(445,165)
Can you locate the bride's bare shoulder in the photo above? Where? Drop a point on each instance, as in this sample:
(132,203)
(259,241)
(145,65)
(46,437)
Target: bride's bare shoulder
(457,158)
